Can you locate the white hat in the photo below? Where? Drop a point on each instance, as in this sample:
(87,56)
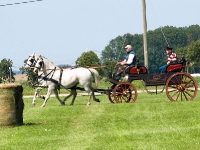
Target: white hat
(128,46)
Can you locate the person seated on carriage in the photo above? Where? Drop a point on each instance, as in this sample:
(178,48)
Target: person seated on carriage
(130,59)
(171,58)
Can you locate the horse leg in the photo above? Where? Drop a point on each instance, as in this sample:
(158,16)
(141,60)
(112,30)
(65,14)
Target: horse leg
(89,91)
(70,94)
(74,93)
(94,98)
(47,97)
(91,94)
(34,97)
(89,99)
(56,94)
(36,94)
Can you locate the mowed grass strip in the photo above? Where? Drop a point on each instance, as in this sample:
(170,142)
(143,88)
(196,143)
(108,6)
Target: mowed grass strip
(152,122)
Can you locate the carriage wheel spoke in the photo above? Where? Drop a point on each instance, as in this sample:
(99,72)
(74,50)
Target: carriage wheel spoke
(177,92)
(178,95)
(185,96)
(186,92)
(186,84)
(173,87)
(181,96)
(190,90)
(178,80)
(174,82)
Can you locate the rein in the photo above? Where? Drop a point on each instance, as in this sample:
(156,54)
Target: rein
(94,67)
(45,77)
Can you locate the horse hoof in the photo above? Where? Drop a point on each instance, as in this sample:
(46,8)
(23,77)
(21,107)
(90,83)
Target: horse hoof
(33,104)
(97,100)
(88,104)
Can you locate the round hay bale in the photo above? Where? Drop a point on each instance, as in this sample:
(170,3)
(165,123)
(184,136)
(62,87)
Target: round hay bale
(11,104)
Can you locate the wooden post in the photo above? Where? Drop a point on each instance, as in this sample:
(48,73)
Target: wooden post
(145,33)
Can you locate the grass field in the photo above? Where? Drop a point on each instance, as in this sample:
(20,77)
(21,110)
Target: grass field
(151,123)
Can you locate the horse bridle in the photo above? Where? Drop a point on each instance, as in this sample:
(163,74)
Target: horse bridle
(39,64)
(31,60)
(47,77)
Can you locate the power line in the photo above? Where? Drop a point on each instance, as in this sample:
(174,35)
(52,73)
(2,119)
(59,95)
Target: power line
(21,3)
(160,26)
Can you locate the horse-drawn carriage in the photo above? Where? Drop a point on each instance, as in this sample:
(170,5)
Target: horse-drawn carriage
(178,85)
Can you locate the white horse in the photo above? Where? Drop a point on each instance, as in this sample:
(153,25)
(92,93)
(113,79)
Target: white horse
(31,61)
(67,79)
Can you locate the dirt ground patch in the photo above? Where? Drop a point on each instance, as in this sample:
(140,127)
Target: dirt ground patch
(20,77)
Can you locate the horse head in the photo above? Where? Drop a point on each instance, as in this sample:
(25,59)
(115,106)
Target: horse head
(31,61)
(39,64)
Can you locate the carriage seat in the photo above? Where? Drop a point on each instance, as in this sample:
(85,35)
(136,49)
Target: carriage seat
(136,70)
(176,66)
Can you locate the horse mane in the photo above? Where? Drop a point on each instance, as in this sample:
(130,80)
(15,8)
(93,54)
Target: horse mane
(38,55)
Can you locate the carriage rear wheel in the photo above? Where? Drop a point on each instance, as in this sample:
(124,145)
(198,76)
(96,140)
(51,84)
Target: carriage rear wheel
(181,87)
(126,92)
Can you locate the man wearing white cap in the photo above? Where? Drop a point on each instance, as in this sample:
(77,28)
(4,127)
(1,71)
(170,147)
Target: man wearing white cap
(129,60)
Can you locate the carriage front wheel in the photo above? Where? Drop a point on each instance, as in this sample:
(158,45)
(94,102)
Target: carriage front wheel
(111,96)
(125,91)
(180,87)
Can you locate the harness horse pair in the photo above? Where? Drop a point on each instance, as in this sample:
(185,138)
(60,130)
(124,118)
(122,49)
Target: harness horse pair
(179,85)
(54,77)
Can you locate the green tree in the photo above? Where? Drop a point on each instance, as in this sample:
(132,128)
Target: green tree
(6,73)
(192,54)
(89,59)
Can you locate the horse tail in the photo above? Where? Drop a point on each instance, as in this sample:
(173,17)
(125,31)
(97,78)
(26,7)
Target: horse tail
(96,76)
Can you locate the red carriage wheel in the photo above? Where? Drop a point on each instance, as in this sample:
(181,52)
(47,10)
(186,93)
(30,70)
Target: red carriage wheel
(181,86)
(111,96)
(125,91)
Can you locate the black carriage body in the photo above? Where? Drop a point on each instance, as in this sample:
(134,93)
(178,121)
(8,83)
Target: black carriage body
(151,79)
(141,73)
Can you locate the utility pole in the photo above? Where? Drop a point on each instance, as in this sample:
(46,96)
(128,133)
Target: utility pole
(145,33)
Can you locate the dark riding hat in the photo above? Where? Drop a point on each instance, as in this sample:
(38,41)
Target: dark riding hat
(169,48)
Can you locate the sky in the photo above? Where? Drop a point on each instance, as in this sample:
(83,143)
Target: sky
(61,30)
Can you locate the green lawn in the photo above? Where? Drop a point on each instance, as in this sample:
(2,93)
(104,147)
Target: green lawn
(152,122)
